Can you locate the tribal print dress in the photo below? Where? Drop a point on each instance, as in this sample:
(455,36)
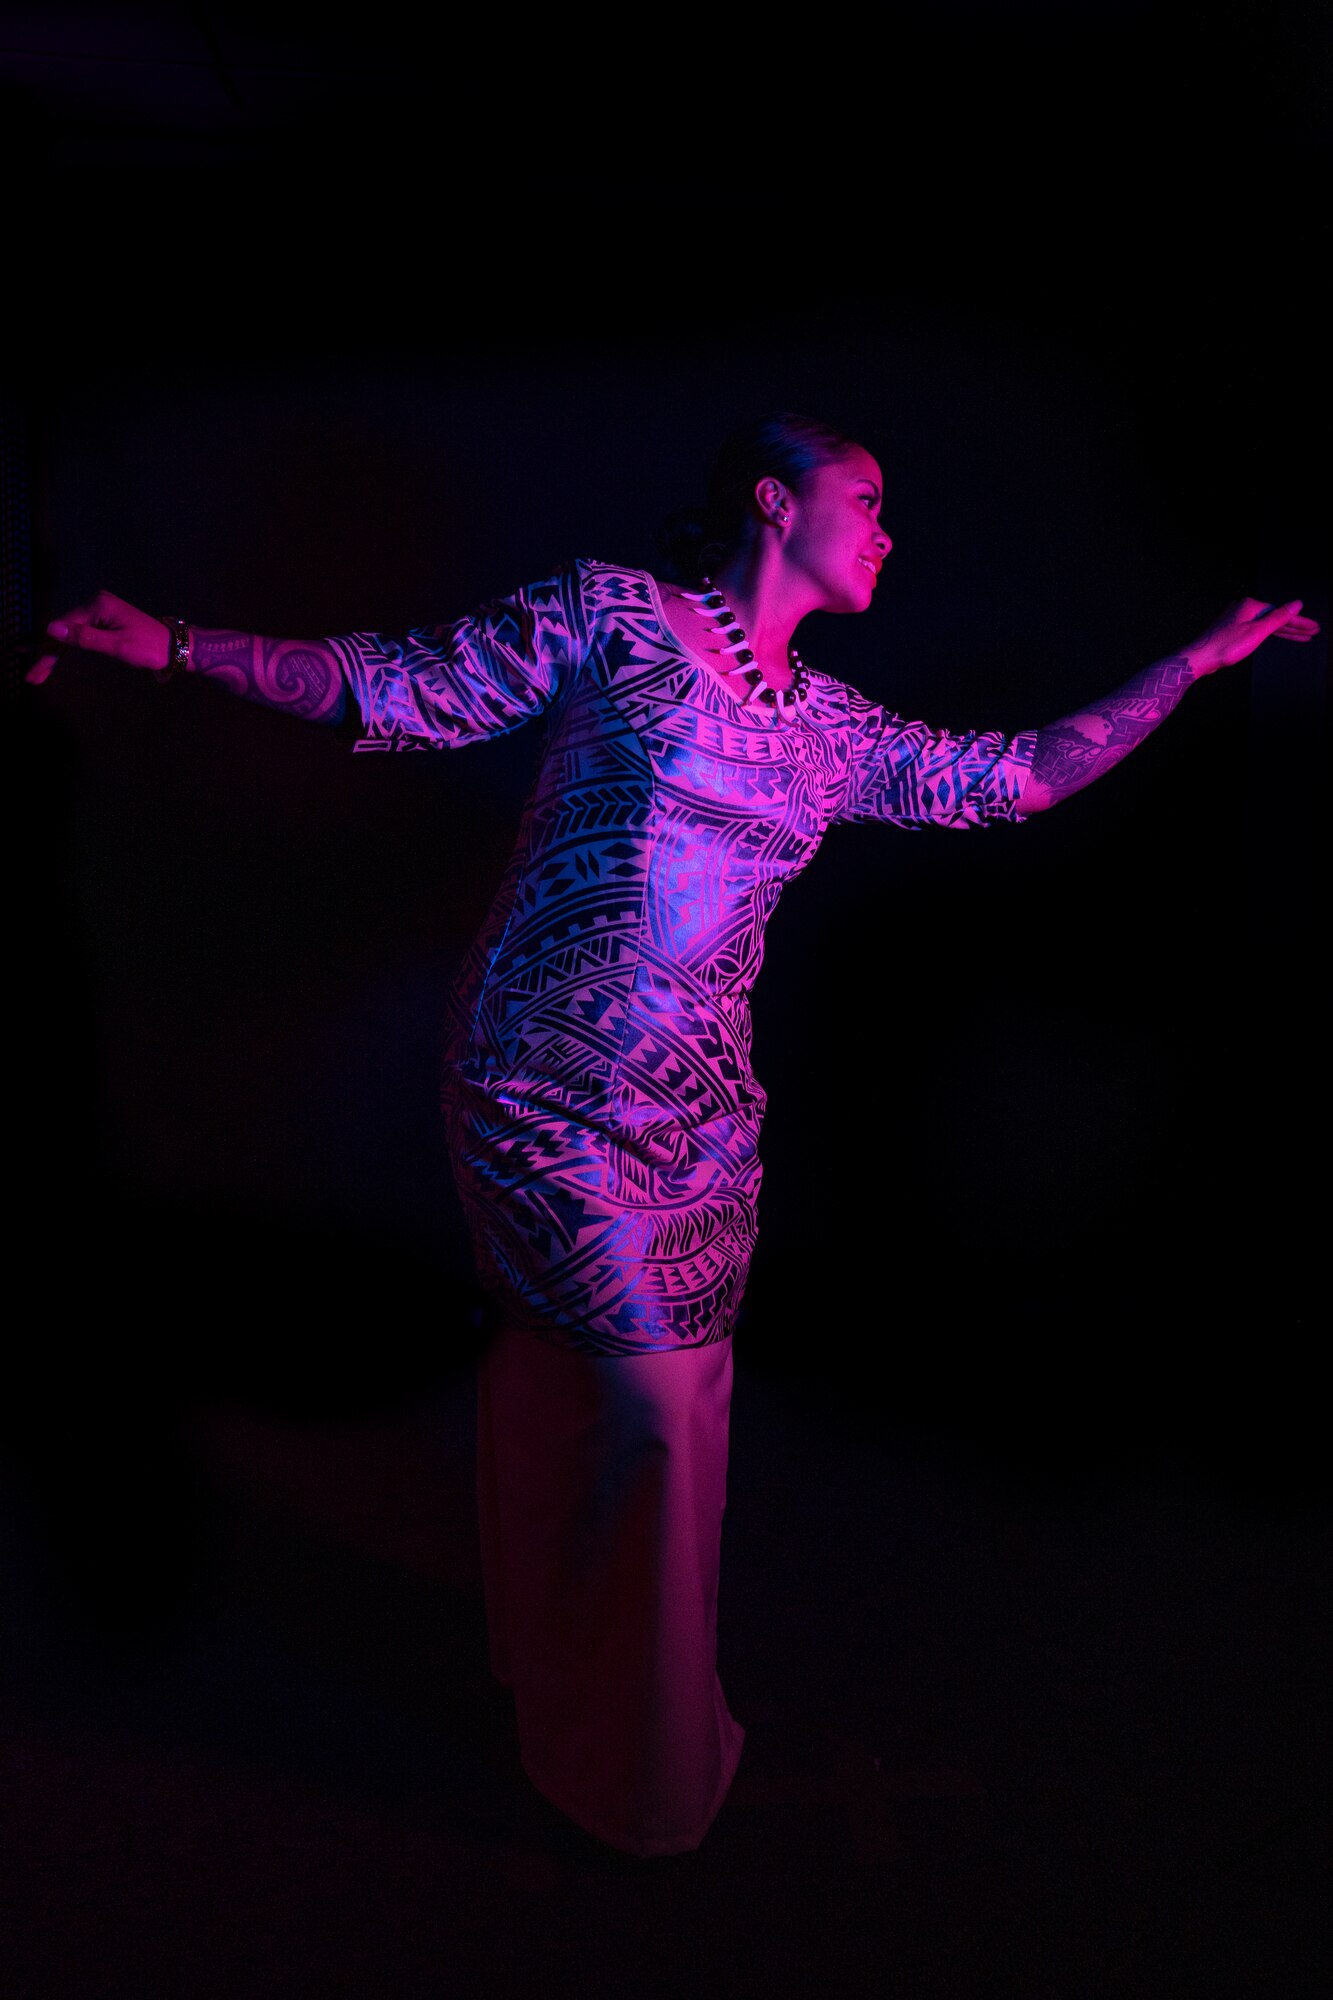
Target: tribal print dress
(602,1115)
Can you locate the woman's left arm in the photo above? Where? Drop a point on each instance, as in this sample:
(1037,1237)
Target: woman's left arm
(1072,752)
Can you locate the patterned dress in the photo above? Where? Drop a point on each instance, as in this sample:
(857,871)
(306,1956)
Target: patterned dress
(602,1114)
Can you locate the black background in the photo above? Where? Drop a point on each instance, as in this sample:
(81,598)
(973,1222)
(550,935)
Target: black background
(1043,1133)
(336,322)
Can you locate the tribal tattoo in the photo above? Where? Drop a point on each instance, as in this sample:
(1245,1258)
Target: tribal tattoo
(298,675)
(1072,752)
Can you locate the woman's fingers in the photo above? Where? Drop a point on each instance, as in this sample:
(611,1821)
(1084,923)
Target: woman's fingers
(1283,621)
(81,632)
(67,629)
(1243,628)
(109,626)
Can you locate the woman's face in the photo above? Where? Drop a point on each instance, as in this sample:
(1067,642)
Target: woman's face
(834,540)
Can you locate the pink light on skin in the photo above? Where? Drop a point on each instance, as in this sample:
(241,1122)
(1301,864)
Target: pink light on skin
(834,546)
(817,550)
(811,551)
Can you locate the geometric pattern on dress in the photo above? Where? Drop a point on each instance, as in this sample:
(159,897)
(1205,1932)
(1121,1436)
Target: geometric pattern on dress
(601,1111)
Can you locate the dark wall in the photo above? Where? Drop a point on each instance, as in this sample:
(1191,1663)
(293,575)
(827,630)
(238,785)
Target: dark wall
(1041,1099)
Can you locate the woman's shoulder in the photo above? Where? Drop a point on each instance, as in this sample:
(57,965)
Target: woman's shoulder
(611,577)
(616,588)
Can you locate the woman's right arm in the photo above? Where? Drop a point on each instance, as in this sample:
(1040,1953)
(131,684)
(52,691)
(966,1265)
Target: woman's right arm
(434,687)
(302,676)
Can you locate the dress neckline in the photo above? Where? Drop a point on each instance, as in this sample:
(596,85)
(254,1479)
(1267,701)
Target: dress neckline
(674,639)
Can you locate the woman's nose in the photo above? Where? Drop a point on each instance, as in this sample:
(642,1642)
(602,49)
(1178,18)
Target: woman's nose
(882,538)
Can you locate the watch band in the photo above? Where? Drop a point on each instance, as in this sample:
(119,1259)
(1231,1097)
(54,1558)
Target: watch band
(179,652)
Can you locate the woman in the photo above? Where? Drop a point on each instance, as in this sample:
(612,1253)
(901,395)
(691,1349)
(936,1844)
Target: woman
(602,1116)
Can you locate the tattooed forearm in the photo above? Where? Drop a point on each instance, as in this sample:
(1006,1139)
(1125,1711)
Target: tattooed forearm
(1072,752)
(299,675)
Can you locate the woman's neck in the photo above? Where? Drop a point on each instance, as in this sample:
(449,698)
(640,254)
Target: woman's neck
(768,602)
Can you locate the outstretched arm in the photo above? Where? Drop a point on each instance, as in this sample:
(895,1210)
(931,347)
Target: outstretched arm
(432,687)
(1072,752)
(302,676)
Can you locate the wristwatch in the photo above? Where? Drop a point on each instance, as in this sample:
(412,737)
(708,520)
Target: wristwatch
(178,654)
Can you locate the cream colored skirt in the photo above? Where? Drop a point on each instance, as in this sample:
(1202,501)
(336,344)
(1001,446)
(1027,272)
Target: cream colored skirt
(601,1485)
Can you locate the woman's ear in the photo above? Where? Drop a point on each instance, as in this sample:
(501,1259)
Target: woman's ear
(773,501)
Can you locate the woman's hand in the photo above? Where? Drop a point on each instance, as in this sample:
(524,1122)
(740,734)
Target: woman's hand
(1242,628)
(110,626)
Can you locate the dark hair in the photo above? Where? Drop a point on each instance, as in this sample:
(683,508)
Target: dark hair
(784,447)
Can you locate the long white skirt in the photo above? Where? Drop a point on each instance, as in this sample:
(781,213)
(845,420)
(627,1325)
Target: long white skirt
(601,1486)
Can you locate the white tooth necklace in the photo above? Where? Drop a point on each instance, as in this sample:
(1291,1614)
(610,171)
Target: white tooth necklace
(769,703)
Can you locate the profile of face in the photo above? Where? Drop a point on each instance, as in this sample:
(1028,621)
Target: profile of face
(832,540)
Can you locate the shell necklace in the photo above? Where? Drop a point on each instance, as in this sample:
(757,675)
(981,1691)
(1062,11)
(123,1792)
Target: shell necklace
(770,704)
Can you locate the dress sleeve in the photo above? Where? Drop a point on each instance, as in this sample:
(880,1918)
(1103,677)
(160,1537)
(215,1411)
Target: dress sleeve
(916,776)
(439,687)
